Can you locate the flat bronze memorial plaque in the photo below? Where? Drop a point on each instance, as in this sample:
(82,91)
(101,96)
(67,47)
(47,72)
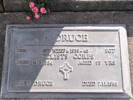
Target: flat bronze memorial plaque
(66,61)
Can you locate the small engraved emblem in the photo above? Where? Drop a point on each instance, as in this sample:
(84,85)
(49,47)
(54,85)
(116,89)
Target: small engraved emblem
(65,70)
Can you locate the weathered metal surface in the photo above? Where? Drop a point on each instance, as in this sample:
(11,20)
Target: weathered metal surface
(57,60)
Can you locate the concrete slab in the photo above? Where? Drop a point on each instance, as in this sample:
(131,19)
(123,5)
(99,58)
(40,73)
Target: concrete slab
(114,17)
(67,67)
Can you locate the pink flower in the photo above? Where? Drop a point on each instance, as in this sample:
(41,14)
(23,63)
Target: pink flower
(35,10)
(31,4)
(28,18)
(37,16)
(43,10)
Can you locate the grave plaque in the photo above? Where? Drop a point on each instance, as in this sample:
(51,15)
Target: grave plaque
(66,61)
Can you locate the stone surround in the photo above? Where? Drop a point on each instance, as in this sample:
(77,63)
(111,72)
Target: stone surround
(112,17)
(72,12)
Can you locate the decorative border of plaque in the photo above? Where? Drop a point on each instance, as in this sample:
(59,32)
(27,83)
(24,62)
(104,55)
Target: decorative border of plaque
(66,68)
